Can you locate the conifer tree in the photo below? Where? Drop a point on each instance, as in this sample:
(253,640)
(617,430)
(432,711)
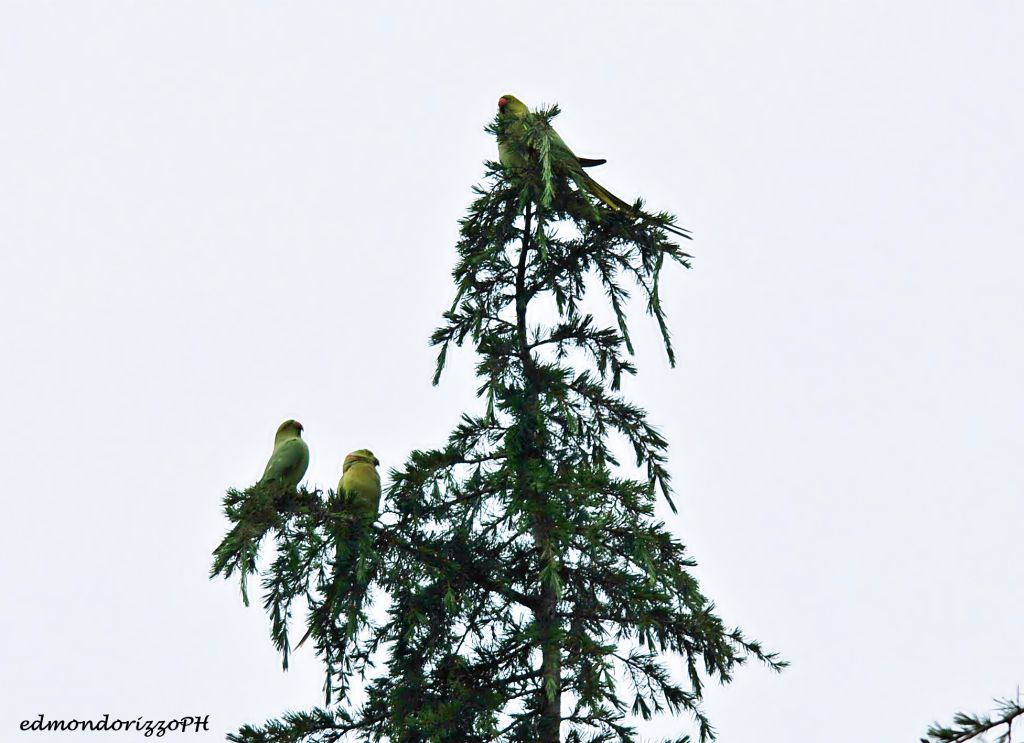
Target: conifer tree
(518,586)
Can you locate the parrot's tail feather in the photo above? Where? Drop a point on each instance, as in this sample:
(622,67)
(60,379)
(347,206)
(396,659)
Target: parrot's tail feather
(613,202)
(605,196)
(591,162)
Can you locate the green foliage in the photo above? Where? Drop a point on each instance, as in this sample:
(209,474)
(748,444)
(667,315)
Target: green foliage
(530,590)
(967,726)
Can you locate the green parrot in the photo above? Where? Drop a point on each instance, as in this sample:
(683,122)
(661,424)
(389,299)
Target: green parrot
(510,157)
(290,457)
(360,483)
(509,105)
(359,489)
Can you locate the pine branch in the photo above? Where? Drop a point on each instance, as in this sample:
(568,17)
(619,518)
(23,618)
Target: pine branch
(435,558)
(967,726)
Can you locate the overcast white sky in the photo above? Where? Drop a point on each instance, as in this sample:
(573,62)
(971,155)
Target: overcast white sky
(218,215)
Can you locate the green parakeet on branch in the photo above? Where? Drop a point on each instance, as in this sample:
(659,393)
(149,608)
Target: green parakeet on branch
(290,457)
(360,483)
(511,106)
(359,493)
(258,508)
(511,155)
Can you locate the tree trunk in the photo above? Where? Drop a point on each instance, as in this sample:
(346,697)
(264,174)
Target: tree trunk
(550,692)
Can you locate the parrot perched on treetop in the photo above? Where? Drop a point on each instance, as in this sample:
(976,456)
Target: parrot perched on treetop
(289,459)
(359,489)
(360,483)
(509,105)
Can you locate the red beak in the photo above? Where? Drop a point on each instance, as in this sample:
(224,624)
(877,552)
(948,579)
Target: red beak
(502,103)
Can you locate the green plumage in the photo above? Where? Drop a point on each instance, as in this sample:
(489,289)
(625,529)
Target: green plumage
(360,483)
(290,457)
(512,155)
(359,489)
